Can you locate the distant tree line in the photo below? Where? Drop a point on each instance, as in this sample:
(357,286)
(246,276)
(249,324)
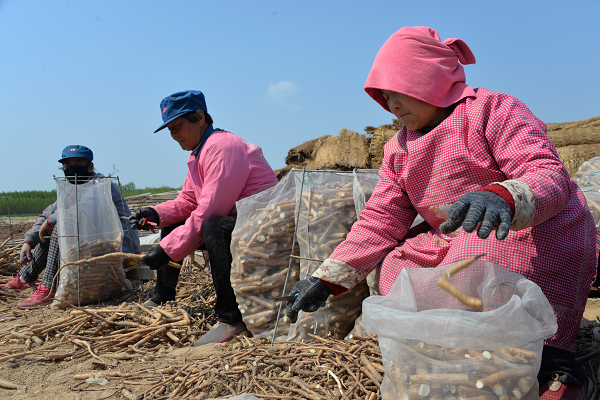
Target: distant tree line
(35,201)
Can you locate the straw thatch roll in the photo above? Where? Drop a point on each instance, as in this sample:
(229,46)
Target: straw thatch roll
(343,153)
(574,156)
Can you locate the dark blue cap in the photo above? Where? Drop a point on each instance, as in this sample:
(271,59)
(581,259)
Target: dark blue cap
(179,103)
(76,151)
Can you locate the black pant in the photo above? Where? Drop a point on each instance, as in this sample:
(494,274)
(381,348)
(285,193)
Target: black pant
(562,363)
(217,241)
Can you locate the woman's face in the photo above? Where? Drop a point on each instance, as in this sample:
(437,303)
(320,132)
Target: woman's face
(413,113)
(186,133)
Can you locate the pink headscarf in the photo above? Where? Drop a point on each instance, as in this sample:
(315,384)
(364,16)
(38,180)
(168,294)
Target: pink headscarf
(415,62)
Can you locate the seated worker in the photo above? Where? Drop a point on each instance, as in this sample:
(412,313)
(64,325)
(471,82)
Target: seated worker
(41,253)
(222,169)
(486,159)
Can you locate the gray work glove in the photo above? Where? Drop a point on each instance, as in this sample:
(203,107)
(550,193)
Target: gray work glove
(475,207)
(155,258)
(140,219)
(311,293)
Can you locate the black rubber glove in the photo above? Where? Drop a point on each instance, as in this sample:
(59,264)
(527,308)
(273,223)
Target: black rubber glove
(475,207)
(155,258)
(311,293)
(148,213)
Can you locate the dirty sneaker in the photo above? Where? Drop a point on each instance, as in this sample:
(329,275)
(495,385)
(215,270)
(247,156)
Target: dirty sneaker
(150,304)
(18,284)
(220,333)
(42,296)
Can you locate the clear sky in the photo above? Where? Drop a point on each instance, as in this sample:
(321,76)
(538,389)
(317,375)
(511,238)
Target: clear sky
(276,73)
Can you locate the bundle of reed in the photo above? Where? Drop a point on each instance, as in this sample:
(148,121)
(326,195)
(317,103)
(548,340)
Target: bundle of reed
(575,136)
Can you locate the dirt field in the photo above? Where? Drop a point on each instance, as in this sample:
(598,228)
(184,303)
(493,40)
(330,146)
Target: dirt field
(17,231)
(37,378)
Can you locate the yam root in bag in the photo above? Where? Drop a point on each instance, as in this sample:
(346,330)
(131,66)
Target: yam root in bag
(88,226)
(326,214)
(261,247)
(433,346)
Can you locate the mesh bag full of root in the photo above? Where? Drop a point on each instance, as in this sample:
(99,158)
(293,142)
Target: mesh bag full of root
(261,247)
(88,226)
(325,216)
(435,346)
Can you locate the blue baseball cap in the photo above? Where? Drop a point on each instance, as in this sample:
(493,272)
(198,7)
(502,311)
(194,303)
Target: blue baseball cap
(179,103)
(76,151)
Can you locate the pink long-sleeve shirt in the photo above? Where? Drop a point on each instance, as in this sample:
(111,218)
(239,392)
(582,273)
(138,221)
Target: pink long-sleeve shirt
(226,170)
(490,138)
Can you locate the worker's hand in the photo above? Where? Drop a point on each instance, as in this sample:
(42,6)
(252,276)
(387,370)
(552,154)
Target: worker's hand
(311,293)
(25,252)
(475,207)
(155,258)
(45,230)
(149,214)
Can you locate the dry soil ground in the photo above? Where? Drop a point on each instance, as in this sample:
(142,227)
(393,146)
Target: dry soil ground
(40,379)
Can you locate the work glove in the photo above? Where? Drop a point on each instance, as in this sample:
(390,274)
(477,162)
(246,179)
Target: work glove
(155,258)
(310,294)
(140,219)
(25,252)
(475,207)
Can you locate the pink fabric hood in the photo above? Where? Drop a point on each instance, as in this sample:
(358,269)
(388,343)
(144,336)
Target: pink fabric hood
(415,62)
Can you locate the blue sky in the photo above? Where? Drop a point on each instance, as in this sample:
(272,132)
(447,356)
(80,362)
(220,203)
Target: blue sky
(276,73)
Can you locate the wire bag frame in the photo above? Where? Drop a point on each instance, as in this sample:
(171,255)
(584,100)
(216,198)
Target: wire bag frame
(77,181)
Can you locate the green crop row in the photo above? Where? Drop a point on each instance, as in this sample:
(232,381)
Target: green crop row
(35,201)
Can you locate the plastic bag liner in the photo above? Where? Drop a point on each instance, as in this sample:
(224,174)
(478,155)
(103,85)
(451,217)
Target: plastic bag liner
(587,178)
(326,214)
(593,164)
(433,345)
(88,226)
(261,246)
(592,198)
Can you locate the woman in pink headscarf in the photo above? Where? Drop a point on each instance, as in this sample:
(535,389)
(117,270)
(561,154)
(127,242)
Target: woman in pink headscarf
(466,159)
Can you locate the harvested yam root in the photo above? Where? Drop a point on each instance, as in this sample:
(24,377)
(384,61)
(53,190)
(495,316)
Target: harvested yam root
(106,333)
(423,370)
(323,369)
(261,249)
(9,258)
(92,282)
(326,215)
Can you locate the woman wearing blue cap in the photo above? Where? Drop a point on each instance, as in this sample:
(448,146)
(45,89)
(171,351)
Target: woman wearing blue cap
(41,254)
(222,169)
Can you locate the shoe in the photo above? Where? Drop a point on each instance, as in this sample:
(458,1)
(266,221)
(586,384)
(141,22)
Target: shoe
(42,296)
(556,390)
(18,284)
(221,333)
(150,304)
